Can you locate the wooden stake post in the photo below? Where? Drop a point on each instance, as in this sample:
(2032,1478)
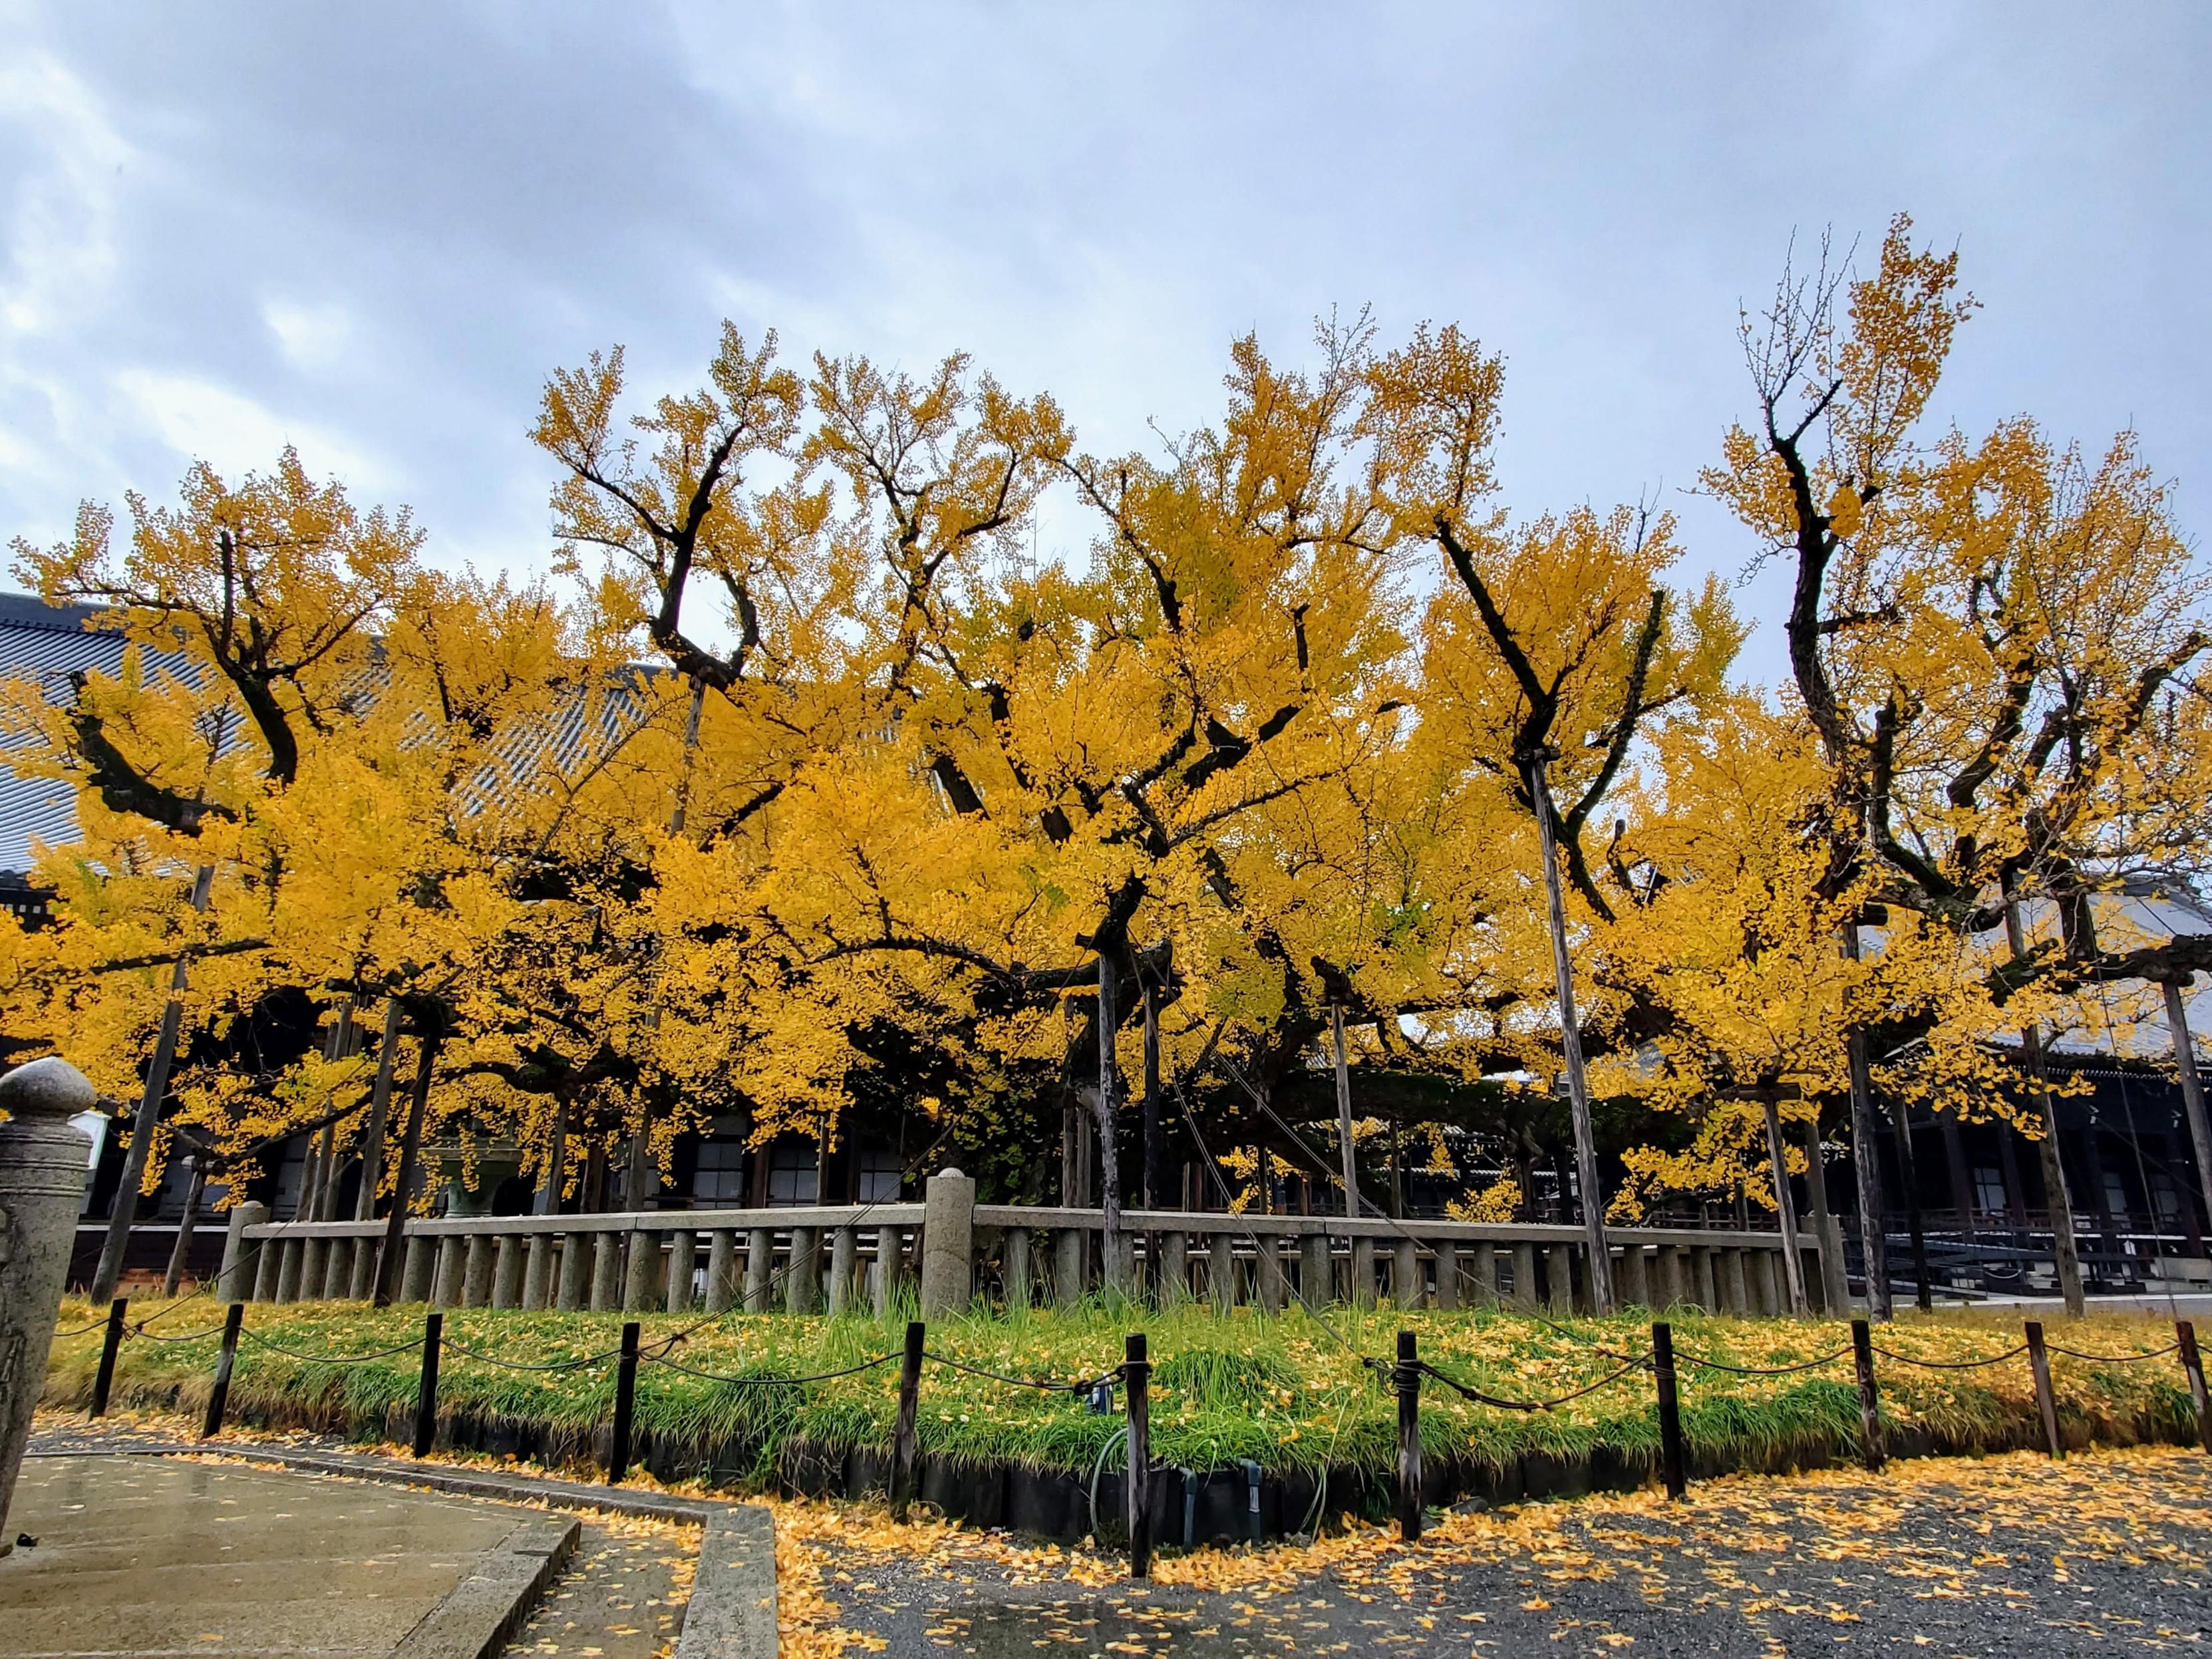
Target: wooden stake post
(103,1379)
(226,1359)
(2038,1362)
(2192,1366)
(1136,1380)
(426,1388)
(1672,1462)
(904,1437)
(625,1404)
(1870,1446)
(1406,1377)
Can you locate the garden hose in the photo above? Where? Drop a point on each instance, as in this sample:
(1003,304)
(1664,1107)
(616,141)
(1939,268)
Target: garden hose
(1097,1469)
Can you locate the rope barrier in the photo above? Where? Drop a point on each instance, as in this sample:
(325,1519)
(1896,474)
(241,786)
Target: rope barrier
(2114,1359)
(194,1336)
(1112,1377)
(768,1381)
(80,1330)
(1683,1356)
(259,1341)
(1468,1391)
(1952,1364)
(451,1347)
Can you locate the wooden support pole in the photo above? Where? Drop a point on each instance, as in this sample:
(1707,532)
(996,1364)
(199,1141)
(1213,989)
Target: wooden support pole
(410,1153)
(1136,1383)
(1406,1379)
(1673,1464)
(625,1405)
(1870,1446)
(103,1379)
(2192,1366)
(426,1388)
(904,1446)
(1785,1213)
(226,1360)
(2038,1362)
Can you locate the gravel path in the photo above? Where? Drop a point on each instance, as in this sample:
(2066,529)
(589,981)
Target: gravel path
(2103,1554)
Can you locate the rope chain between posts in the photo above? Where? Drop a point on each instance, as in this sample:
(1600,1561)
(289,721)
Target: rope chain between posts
(1481,1397)
(260,1341)
(1683,1356)
(1952,1364)
(191,1336)
(766,1382)
(79,1330)
(2114,1359)
(451,1347)
(1104,1380)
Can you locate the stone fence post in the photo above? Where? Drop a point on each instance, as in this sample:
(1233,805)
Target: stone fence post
(234,1282)
(948,1235)
(43,1164)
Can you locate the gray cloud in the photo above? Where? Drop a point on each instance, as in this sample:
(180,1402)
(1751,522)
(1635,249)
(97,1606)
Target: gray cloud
(372,230)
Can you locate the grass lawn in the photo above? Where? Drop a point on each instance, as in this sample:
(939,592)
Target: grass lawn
(1289,1393)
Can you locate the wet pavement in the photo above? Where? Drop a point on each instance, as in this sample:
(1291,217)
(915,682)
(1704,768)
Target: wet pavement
(622,1596)
(164,1556)
(2103,1554)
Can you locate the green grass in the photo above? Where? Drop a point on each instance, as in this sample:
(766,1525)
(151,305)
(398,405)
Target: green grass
(1288,1392)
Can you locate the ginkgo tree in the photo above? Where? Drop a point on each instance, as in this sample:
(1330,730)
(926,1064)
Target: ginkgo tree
(1310,780)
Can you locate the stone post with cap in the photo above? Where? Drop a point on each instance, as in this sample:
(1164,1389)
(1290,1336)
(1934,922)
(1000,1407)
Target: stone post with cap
(948,1230)
(43,1160)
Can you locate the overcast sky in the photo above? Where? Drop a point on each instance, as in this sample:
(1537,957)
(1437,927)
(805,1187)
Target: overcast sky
(371,230)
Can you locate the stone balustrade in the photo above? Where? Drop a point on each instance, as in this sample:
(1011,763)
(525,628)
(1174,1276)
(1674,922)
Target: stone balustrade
(839,1258)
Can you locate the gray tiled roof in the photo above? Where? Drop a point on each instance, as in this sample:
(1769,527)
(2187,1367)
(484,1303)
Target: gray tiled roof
(48,643)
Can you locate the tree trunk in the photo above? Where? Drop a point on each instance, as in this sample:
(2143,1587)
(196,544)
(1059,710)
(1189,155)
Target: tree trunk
(410,1151)
(1110,1162)
(2192,1092)
(1785,1215)
(556,1163)
(1571,1041)
(2064,1250)
(1908,1176)
(1155,1177)
(1344,1114)
(125,1213)
(1865,1161)
(194,1189)
(380,1111)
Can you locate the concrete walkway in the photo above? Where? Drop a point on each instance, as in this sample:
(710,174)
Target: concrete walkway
(159,1556)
